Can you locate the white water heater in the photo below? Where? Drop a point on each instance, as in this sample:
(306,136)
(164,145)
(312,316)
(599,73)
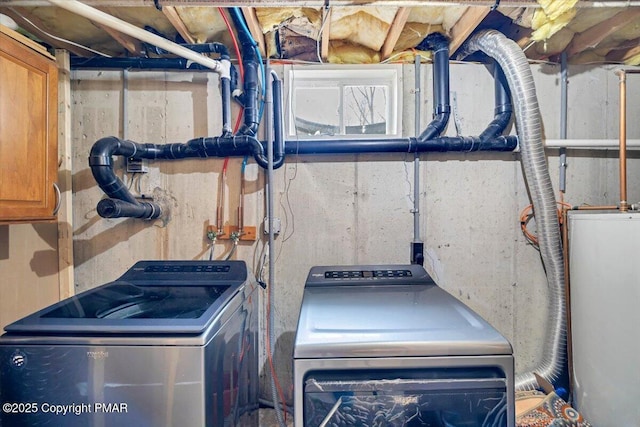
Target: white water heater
(605,316)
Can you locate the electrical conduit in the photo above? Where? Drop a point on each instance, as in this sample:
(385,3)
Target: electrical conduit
(528,124)
(271,297)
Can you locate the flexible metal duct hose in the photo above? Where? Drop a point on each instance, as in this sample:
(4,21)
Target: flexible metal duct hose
(528,124)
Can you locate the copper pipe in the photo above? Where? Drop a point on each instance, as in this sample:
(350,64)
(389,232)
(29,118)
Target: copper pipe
(594,208)
(624,206)
(241,208)
(220,210)
(567,289)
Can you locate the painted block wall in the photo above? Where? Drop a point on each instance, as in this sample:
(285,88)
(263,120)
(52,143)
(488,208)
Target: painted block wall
(349,209)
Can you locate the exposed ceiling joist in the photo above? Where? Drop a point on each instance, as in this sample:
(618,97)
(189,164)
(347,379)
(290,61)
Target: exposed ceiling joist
(467,23)
(326,30)
(131,44)
(396,23)
(302,3)
(172,15)
(590,38)
(255,28)
(394,32)
(36,27)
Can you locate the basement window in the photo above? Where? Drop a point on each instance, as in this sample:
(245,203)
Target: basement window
(344,102)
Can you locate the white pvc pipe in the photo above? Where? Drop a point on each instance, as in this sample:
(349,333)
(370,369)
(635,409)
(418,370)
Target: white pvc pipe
(140,34)
(591,144)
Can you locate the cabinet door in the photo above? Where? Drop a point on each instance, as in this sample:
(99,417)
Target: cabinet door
(28,133)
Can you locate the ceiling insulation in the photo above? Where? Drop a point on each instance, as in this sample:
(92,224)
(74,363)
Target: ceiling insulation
(348,32)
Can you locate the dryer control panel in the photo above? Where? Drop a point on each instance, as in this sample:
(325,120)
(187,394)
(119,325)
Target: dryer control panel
(367,274)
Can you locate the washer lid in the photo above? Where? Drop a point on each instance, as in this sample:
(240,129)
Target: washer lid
(391,320)
(152,297)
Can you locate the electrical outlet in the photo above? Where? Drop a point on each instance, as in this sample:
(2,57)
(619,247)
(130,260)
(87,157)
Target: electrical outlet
(136,165)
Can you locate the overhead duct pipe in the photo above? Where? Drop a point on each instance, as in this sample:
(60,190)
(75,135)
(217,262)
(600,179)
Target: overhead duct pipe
(528,124)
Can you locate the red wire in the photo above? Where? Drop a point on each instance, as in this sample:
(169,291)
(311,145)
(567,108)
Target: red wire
(234,40)
(224,171)
(224,166)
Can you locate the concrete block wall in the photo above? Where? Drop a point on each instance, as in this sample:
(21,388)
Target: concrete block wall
(349,209)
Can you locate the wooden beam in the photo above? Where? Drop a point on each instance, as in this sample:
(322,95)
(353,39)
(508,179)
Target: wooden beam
(255,28)
(172,15)
(260,3)
(325,37)
(129,43)
(34,25)
(65,213)
(590,38)
(394,32)
(467,23)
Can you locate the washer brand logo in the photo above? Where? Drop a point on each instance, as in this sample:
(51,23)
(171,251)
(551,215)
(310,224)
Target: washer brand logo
(97,355)
(18,359)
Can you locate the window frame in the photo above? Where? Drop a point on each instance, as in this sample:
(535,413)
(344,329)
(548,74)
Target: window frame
(387,75)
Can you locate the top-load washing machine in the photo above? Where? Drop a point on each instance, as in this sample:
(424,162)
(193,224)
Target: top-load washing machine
(382,345)
(170,343)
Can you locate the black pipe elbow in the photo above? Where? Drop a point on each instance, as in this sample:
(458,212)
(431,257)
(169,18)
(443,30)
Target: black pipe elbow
(439,44)
(435,128)
(497,125)
(102,151)
(503,108)
(501,143)
(115,208)
(434,42)
(111,184)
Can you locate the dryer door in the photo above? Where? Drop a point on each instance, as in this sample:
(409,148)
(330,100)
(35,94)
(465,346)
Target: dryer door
(435,398)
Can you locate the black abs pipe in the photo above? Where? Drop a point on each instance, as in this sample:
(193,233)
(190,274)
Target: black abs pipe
(504,109)
(121,202)
(225,91)
(401,145)
(135,63)
(100,62)
(114,208)
(439,44)
(214,47)
(249,99)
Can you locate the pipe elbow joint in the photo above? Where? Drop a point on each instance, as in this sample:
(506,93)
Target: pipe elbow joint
(102,151)
(225,68)
(434,42)
(115,208)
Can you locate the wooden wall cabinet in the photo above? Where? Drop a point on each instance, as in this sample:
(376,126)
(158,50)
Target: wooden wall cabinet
(28,130)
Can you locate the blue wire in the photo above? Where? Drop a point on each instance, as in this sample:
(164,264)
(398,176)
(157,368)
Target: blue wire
(240,19)
(244,164)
